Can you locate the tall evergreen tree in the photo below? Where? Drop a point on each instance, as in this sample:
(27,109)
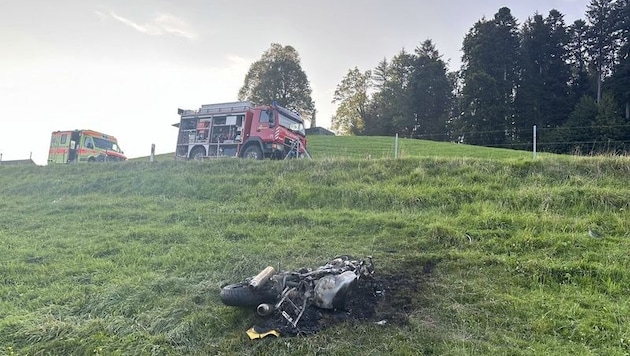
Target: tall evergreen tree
(390,111)
(609,133)
(397,92)
(376,119)
(431,94)
(380,74)
(576,132)
(603,39)
(533,63)
(620,80)
(490,72)
(581,82)
(595,127)
(542,97)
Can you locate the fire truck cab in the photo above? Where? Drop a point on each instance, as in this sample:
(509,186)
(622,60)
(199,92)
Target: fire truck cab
(240,129)
(83,146)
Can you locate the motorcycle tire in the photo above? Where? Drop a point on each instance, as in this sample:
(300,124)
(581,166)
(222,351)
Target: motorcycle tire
(240,295)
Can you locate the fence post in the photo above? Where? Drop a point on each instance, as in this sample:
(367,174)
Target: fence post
(534,141)
(152,157)
(396,147)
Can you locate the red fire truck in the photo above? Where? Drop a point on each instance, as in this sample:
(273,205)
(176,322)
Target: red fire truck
(240,129)
(83,146)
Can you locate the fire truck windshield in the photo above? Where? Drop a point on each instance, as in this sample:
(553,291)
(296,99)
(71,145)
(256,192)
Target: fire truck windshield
(106,145)
(291,124)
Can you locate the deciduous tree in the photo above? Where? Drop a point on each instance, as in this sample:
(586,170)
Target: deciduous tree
(352,95)
(278,76)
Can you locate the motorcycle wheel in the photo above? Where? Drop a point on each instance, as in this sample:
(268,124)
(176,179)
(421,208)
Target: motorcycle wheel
(240,295)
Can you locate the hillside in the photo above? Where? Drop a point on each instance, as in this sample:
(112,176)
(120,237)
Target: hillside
(376,147)
(481,256)
(384,147)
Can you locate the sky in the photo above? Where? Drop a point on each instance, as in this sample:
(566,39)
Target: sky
(124,67)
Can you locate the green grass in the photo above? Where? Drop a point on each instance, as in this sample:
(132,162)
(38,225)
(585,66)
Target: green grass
(128,258)
(385,147)
(378,147)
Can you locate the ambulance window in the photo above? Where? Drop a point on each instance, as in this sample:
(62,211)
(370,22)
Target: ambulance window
(89,143)
(64,137)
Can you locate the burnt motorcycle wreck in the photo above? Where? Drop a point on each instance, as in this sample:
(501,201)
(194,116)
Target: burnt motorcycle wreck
(284,299)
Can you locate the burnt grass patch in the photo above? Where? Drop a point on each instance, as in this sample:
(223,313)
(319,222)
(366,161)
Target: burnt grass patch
(388,298)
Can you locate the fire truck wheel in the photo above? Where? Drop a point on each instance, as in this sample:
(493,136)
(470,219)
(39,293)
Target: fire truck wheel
(253,152)
(197,152)
(240,295)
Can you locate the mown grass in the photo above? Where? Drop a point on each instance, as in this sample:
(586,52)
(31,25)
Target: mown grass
(128,258)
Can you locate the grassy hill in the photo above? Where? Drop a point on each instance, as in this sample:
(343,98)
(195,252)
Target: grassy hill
(377,147)
(384,147)
(486,255)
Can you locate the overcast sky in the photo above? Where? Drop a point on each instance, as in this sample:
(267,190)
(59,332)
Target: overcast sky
(124,67)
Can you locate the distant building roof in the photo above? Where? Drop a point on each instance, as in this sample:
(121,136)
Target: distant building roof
(319,131)
(17,162)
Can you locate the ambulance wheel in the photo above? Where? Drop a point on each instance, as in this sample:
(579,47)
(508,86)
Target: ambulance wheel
(91,159)
(197,152)
(253,152)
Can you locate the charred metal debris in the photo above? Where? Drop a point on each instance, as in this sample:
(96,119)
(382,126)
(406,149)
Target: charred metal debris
(305,301)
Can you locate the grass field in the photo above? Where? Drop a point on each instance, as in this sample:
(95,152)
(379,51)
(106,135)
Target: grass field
(385,147)
(379,147)
(128,258)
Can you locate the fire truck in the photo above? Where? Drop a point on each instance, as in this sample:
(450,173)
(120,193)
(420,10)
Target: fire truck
(83,146)
(240,129)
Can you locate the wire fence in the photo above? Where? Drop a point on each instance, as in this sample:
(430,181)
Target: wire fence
(591,138)
(587,140)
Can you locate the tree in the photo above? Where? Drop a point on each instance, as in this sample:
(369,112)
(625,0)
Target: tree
(595,127)
(431,96)
(608,124)
(478,124)
(377,121)
(578,60)
(278,76)
(576,132)
(489,72)
(353,99)
(380,74)
(542,97)
(396,95)
(620,80)
(603,38)
(390,109)
(533,63)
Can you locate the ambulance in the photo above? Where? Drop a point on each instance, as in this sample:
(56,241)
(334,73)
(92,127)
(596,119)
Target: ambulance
(83,146)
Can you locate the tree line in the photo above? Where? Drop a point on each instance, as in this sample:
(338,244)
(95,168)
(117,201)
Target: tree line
(572,82)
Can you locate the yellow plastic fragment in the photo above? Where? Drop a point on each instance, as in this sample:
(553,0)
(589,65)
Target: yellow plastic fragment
(253,334)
